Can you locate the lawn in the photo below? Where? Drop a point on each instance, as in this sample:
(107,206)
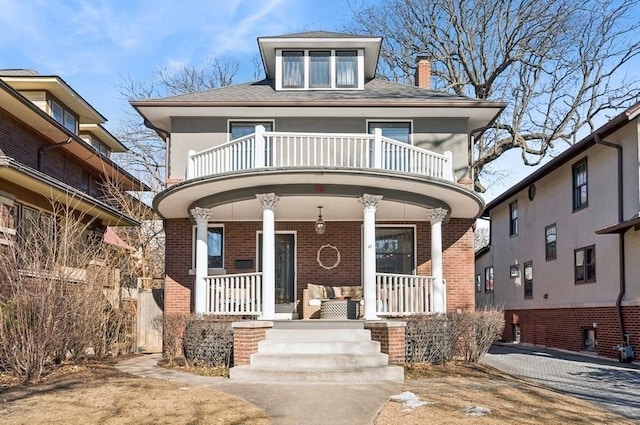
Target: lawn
(98,393)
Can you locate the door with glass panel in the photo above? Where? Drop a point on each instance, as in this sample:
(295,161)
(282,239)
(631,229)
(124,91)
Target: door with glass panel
(285,250)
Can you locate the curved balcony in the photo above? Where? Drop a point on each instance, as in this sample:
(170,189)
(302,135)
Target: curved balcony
(323,150)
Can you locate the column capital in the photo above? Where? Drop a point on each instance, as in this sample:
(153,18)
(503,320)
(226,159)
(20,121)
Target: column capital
(268,200)
(369,202)
(436,215)
(201,214)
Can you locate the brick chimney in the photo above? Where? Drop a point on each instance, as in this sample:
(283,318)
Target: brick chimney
(423,72)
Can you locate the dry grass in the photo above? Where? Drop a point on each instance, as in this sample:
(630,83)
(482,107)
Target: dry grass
(454,387)
(98,393)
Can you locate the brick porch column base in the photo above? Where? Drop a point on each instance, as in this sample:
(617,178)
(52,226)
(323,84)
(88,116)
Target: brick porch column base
(246,336)
(391,336)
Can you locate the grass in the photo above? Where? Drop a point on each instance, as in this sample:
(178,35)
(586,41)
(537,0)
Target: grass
(98,393)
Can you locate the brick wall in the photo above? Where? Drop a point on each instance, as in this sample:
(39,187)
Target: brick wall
(563,328)
(391,336)
(240,244)
(246,336)
(22,143)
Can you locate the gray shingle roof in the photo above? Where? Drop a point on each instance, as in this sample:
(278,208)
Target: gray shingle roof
(263,91)
(318,34)
(18,72)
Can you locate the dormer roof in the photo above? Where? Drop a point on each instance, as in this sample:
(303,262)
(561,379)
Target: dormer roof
(318,40)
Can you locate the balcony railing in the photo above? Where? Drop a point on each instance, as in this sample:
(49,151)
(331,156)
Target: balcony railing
(396,294)
(327,150)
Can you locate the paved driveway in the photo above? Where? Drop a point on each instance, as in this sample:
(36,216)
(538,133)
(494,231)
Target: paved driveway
(615,386)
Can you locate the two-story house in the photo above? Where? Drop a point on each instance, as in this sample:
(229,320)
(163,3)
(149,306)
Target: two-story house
(53,147)
(321,174)
(562,258)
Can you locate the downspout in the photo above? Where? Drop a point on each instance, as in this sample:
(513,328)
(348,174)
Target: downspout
(623,281)
(43,149)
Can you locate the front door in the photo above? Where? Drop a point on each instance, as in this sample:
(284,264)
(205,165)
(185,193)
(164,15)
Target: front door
(285,271)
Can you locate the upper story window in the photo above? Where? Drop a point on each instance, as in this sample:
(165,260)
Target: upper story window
(397,130)
(100,147)
(580,188)
(64,116)
(320,69)
(550,242)
(513,218)
(528,279)
(239,129)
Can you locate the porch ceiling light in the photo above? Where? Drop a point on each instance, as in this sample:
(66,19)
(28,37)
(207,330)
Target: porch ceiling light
(320,224)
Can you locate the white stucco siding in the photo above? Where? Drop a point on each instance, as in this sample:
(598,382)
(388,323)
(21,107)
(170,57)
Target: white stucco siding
(628,138)
(632,267)
(483,298)
(553,203)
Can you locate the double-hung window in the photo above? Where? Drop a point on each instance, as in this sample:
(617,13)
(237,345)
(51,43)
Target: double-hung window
(395,250)
(346,69)
(528,279)
(488,279)
(320,69)
(585,264)
(513,218)
(550,242)
(580,187)
(293,70)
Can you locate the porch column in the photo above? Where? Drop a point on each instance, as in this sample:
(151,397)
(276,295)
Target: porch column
(269,202)
(369,206)
(435,216)
(201,215)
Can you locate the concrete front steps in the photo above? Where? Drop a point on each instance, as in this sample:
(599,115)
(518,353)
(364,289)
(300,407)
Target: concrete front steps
(318,352)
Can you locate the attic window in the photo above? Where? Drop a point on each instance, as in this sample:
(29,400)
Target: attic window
(320,69)
(64,116)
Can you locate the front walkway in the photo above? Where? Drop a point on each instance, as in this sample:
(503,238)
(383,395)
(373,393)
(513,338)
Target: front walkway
(285,404)
(615,386)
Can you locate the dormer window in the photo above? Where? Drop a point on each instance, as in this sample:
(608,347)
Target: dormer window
(64,116)
(319,69)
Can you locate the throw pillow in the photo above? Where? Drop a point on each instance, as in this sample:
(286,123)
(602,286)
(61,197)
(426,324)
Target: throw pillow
(316,291)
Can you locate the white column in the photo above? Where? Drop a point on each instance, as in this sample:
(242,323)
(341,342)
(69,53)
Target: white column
(269,202)
(369,206)
(435,216)
(201,216)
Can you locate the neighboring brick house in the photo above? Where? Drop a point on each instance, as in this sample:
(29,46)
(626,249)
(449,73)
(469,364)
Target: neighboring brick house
(547,232)
(350,180)
(53,147)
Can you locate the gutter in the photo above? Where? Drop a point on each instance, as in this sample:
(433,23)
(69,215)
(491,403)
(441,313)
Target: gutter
(622,265)
(43,149)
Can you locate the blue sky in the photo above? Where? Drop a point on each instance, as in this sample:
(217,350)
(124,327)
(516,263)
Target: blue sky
(92,44)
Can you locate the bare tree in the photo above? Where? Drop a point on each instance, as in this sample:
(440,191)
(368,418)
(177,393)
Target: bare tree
(560,64)
(146,155)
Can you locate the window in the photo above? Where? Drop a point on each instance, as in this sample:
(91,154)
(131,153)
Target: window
(513,218)
(239,129)
(550,242)
(528,279)
(215,247)
(293,70)
(488,279)
(90,185)
(319,69)
(400,130)
(478,283)
(100,147)
(585,264)
(580,189)
(63,116)
(395,251)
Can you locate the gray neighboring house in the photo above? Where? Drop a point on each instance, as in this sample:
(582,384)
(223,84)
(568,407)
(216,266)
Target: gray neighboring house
(563,256)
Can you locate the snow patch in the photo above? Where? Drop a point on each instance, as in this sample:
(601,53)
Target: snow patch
(409,400)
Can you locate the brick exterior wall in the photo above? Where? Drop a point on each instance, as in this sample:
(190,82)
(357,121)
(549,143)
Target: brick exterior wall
(246,336)
(21,143)
(563,328)
(240,244)
(391,336)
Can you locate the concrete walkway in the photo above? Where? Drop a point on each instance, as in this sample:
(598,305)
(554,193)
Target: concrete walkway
(614,386)
(285,404)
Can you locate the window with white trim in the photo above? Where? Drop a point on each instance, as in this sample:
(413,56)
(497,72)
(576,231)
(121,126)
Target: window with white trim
(238,129)
(395,250)
(397,130)
(215,247)
(64,116)
(320,69)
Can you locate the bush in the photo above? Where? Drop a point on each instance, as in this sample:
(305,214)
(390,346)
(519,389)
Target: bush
(440,338)
(208,341)
(172,327)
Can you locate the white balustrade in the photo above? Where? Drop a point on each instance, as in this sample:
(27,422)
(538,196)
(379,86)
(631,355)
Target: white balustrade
(399,294)
(234,294)
(326,150)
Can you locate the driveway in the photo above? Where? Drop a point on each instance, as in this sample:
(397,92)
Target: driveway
(615,386)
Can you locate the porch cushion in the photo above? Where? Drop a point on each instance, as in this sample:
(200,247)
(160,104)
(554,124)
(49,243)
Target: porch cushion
(316,291)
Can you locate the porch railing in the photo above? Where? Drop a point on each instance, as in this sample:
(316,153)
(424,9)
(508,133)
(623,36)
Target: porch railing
(290,150)
(399,294)
(234,294)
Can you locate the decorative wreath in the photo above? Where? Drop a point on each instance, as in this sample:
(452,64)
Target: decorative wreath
(334,265)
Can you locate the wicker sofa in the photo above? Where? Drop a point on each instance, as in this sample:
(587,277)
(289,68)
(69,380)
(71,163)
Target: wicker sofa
(313,296)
